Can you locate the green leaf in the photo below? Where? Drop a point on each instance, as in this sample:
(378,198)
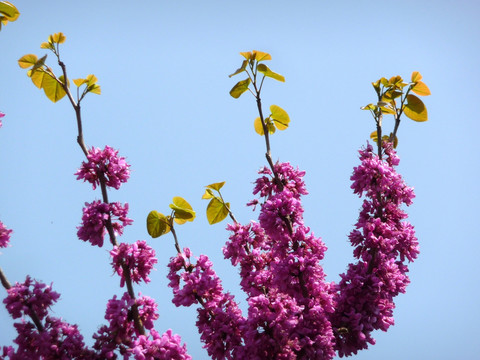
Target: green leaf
(216,211)
(52,88)
(280,117)
(27,60)
(216,186)
(240,69)
(267,72)
(240,88)
(157,224)
(415,109)
(208,194)
(182,210)
(420,88)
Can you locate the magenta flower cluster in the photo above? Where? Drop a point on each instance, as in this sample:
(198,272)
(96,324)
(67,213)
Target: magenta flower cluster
(138,258)
(289,301)
(104,163)
(293,313)
(1,116)
(95,217)
(382,241)
(57,340)
(4,235)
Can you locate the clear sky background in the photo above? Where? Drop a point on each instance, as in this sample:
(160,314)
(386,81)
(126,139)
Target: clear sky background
(163,67)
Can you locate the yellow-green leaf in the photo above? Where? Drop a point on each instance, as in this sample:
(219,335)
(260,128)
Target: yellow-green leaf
(58,38)
(280,117)
(392,94)
(95,89)
(374,137)
(79,82)
(261,56)
(394,80)
(240,69)
(9,11)
(216,211)
(247,55)
(91,79)
(258,126)
(40,62)
(369,107)
(386,107)
(27,60)
(420,88)
(46,45)
(415,109)
(416,76)
(240,88)
(37,77)
(216,186)
(384,81)
(182,210)
(52,88)
(267,72)
(157,224)
(208,194)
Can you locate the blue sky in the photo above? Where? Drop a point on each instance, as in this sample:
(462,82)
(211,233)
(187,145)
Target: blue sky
(163,67)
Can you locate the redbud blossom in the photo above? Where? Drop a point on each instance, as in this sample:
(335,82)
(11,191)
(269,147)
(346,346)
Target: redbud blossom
(289,302)
(56,340)
(382,241)
(120,333)
(160,347)
(30,297)
(1,116)
(4,235)
(95,216)
(139,258)
(104,163)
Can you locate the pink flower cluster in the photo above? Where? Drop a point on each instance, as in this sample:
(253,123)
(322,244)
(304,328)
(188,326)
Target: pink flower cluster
(95,217)
(219,318)
(121,334)
(289,300)
(4,235)
(104,163)
(382,241)
(1,116)
(55,340)
(139,258)
(293,313)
